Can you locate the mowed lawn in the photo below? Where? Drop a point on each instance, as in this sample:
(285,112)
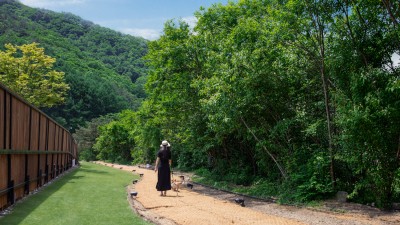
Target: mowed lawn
(91,194)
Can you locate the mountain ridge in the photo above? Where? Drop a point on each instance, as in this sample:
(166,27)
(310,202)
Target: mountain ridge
(104,68)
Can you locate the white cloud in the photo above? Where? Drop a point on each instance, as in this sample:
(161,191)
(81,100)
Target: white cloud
(191,20)
(51,3)
(149,34)
(396,59)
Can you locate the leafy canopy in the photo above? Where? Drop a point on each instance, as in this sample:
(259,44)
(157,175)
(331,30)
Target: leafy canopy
(29,72)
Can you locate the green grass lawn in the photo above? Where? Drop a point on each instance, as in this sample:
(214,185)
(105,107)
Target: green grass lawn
(91,194)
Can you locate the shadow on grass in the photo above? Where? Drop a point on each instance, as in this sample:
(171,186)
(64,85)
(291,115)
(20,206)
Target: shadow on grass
(26,205)
(83,169)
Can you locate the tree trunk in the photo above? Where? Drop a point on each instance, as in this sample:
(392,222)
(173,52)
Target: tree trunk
(319,27)
(398,151)
(353,39)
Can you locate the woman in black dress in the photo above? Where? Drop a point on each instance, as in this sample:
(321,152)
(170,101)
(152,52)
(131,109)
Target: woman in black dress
(163,165)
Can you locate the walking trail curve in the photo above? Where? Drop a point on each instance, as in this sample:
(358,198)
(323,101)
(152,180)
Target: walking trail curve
(202,206)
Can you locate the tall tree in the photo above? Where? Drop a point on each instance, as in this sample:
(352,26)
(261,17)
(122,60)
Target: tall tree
(29,72)
(314,18)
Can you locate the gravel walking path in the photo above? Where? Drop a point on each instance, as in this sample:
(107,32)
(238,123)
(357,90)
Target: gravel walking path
(202,206)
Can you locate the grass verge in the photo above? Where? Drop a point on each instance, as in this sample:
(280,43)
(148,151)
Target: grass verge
(259,188)
(91,194)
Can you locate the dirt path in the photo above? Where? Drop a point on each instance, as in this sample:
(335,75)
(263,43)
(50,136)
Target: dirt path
(203,205)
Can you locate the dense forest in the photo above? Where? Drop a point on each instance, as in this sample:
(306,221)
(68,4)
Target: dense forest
(104,69)
(299,99)
(296,99)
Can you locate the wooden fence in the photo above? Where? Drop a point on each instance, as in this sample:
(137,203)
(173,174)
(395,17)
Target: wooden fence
(34,149)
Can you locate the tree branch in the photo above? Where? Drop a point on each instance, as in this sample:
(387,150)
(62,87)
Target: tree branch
(388,5)
(273,158)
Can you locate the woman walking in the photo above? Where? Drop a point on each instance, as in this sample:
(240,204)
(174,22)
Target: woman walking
(163,166)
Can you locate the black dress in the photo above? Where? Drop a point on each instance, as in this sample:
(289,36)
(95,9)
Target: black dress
(164,171)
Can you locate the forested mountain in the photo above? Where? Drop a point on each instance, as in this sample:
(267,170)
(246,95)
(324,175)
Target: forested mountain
(104,68)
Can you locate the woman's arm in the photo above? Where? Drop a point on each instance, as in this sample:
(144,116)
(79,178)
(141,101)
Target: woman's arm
(156,167)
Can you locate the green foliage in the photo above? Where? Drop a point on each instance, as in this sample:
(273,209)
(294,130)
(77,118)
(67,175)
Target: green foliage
(115,141)
(314,182)
(86,136)
(31,75)
(370,134)
(259,188)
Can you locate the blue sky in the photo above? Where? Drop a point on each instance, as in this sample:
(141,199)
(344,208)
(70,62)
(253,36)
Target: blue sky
(144,18)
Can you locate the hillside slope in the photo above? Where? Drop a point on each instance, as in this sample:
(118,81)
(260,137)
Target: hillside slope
(104,68)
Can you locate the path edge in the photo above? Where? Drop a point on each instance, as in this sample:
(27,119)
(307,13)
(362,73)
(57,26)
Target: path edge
(145,214)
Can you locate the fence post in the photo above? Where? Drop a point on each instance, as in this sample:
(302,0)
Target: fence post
(46,173)
(39,182)
(53,172)
(10,183)
(27,182)
(10,195)
(26,187)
